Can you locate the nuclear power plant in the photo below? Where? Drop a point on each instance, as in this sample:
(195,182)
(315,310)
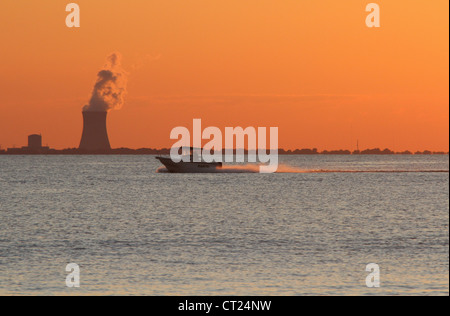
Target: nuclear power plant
(95,135)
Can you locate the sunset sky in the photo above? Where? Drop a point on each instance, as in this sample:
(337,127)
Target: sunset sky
(312,68)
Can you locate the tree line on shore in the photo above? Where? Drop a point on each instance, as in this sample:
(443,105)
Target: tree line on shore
(166,151)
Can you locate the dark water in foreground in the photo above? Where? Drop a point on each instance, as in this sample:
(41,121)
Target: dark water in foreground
(311,230)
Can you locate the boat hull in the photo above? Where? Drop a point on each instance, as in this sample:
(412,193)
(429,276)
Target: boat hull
(190,167)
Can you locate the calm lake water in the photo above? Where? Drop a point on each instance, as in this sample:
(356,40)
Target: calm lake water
(311,231)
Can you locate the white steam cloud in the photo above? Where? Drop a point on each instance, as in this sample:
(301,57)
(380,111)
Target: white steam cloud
(110,87)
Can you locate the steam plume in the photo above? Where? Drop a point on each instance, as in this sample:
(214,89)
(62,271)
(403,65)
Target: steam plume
(110,87)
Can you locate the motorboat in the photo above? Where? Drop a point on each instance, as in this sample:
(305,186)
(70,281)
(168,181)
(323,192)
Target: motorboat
(189,165)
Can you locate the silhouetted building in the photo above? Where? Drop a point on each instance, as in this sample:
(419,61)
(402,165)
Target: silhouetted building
(34,147)
(34,141)
(95,135)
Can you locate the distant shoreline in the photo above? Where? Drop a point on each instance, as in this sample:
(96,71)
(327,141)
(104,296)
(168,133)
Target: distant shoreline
(166,151)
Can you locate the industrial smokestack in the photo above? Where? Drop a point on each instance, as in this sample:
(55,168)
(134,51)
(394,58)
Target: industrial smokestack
(108,93)
(95,135)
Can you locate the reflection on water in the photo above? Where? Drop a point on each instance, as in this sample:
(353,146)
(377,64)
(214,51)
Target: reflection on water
(135,231)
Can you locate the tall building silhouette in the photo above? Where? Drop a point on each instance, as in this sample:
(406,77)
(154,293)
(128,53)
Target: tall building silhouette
(35,141)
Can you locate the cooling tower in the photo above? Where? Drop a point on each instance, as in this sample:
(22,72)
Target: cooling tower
(95,136)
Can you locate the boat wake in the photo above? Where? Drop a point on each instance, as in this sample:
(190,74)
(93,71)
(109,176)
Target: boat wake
(252,168)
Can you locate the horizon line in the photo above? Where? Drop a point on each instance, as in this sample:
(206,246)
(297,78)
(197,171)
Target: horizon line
(281,151)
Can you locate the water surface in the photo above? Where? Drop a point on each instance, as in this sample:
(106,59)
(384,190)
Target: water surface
(309,232)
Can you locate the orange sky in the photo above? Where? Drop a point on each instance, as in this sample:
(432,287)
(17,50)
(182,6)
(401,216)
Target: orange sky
(312,68)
